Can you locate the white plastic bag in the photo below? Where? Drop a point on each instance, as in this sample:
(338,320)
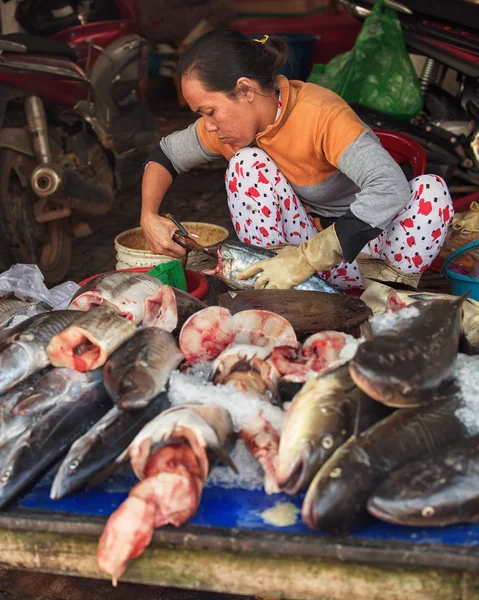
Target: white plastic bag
(26,282)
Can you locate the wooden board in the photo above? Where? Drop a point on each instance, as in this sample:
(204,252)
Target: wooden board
(229,562)
(308,312)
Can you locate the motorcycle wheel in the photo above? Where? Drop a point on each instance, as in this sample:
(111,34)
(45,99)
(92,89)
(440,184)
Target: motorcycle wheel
(23,239)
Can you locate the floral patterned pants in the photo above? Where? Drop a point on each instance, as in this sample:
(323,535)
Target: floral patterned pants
(266,212)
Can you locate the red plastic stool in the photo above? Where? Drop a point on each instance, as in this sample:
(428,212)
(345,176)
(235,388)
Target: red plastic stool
(403,149)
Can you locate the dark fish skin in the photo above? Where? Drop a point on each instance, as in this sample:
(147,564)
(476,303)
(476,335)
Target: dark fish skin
(23,347)
(57,385)
(186,305)
(94,453)
(307,311)
(336,499)
(12,425)
(401,367)
(436,490)
(48,438)
(320,419)
(234,257)
(139,370)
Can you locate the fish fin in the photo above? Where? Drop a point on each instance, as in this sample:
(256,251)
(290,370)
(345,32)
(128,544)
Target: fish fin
(366,330)
(226,458)
(461,299)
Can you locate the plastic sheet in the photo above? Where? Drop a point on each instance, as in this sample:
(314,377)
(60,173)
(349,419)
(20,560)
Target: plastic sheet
(26,283)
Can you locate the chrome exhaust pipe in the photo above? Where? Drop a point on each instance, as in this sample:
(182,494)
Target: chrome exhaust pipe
(45,179)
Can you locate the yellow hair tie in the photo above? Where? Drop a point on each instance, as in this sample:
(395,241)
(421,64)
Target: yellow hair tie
(263,40)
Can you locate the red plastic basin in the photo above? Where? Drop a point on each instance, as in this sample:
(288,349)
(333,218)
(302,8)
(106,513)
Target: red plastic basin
(196,283)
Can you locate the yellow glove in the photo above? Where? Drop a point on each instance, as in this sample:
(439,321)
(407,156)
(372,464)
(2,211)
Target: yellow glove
(294,264)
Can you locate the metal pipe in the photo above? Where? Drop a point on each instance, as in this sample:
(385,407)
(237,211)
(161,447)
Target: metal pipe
(38,128)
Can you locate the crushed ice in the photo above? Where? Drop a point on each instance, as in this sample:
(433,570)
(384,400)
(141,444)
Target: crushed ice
(391,319)
(188,388)
(466,374)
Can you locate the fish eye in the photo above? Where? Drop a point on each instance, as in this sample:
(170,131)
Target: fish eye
(335,473)
(327,442)
(6,476)
(73,465)
(428,511)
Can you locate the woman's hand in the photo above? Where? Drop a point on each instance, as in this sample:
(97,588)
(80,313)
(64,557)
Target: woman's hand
(159,232)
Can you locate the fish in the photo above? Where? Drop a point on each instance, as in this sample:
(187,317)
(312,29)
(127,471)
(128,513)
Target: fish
(262,440)
(469,342)
(13,307)
(170,308)
(23,348)
(263,328)
(234,257)
(318,353)
(246,368)
(139,370)
(206,334)
(336,499)
(131,295)
(320,419)
(432,491)
(88,342)
(380,297)
(207,428)
(48,438)
(173,478)
(11,424)
(308,312)
(91,459)
(56,386)
(402,366)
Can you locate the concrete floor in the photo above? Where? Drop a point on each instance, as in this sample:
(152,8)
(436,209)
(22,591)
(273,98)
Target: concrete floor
(20,585)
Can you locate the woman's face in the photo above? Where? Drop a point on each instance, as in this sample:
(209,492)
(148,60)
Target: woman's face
(234,120)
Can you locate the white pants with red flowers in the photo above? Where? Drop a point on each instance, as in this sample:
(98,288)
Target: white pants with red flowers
(266,212)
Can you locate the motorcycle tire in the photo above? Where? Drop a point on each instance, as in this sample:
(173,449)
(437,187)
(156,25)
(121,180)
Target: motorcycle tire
(23,240)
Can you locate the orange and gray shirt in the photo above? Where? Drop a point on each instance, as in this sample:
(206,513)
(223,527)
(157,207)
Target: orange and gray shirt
(332,160)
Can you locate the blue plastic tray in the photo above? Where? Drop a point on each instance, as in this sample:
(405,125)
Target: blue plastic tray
(237,509)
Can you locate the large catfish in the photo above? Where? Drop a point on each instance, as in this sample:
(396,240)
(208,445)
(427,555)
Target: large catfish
(173,475)
(132,295)
(234,257)
(319,420)
(91,458)
(401,367)
(90,340)
(23,348)
(435,490)
(49,437)
(139,370)
(336,499)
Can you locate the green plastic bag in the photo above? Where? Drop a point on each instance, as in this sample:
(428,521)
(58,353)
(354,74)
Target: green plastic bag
(378,71)
(170,273)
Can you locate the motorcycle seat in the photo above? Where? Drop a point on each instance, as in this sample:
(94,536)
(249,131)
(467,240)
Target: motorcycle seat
(40,45)
(460,12)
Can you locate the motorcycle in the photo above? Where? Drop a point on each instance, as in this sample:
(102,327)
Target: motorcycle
(446,35)
(74,129)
